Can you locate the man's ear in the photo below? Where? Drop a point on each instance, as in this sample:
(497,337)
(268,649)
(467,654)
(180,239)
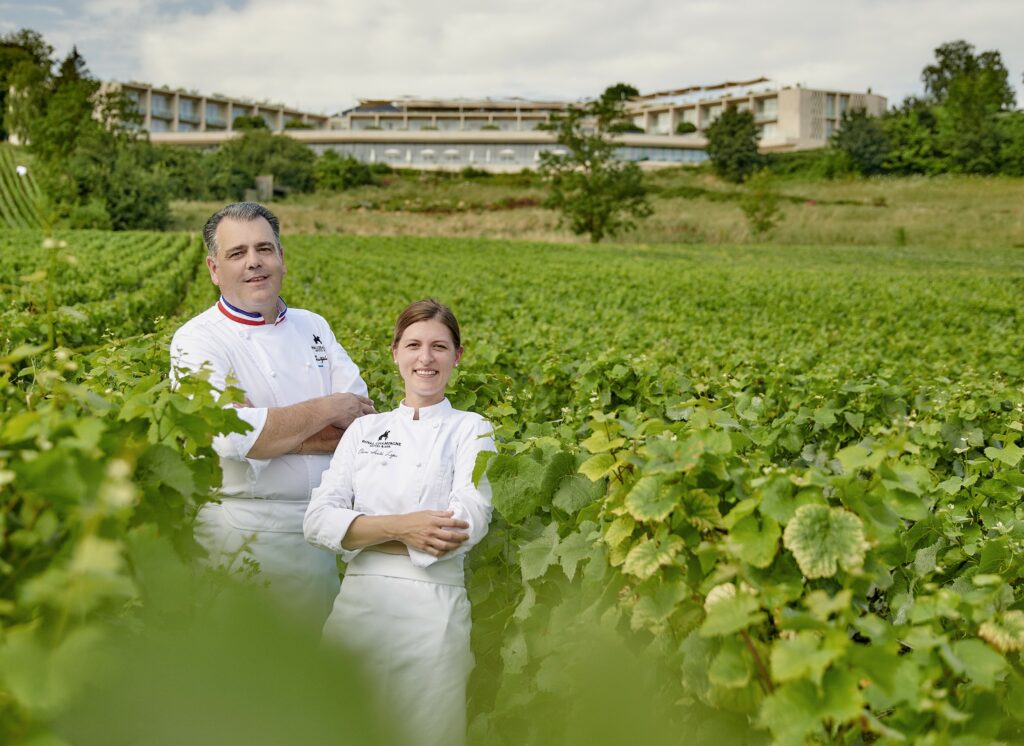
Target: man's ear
(211,265)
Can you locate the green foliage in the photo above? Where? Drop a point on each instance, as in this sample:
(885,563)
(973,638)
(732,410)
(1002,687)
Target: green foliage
(249,122)
(732,144)
(862,140)
(333,172)
(686,128)
(741,517)
(233,168)
(760,203)
(595,193)
(93,168)
(1011,143)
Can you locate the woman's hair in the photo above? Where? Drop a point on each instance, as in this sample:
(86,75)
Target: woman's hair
(425,310)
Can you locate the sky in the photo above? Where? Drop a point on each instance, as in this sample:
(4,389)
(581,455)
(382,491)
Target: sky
(323,55)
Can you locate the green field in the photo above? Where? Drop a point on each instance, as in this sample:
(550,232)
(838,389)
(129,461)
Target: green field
(691,206)
(787,477)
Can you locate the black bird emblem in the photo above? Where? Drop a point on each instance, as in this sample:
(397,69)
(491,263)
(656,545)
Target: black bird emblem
(316,339)
(384,435)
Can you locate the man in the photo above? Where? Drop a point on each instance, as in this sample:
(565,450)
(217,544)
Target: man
(302,390)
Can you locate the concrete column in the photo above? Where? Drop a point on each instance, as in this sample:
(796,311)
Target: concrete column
(147,107)
(231,116)
(202,113)
(175,102)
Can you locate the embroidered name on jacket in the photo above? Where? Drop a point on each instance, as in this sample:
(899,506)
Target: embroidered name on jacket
(380,445)
(319,351)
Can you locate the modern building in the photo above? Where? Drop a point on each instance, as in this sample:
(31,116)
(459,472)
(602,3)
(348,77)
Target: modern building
(173,111)
(505,134)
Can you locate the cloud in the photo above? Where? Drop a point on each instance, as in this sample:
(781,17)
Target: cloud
(322,54)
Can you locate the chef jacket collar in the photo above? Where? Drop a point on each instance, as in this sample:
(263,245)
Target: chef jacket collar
(247,318)
(441,409)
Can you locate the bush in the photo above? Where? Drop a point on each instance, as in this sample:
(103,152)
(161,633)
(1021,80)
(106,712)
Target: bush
(336,173)
(760,204)
(685,128)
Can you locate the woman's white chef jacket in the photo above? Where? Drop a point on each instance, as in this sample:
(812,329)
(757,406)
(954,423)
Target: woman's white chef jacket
(389,463)
(276,365)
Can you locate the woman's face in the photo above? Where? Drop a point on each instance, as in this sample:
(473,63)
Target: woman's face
(425,355)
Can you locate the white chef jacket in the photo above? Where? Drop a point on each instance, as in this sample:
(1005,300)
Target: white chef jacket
(391,464)
(276,365)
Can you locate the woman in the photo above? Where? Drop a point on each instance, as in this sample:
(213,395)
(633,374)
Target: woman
(398,504)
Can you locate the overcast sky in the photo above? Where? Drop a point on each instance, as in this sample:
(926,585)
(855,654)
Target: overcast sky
(322,55)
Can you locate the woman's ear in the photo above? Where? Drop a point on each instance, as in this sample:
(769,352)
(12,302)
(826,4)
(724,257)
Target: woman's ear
(458,355)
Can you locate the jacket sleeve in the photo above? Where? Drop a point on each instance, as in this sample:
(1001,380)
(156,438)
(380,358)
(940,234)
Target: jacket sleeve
(330,510)
(189,354)
(469,502)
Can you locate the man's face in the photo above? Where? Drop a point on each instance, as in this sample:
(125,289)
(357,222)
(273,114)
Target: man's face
(248,269)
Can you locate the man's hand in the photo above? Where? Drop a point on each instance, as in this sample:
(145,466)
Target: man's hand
(324,441)
(345,408)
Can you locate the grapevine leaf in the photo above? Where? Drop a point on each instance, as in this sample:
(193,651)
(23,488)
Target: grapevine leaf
(732,667)
(645,558)
(982,664)
(597,466)
(859,457)
(756,543)
(791,712)
(561,464)
(514,653)
(650,500)
(536,556)
(619,530)
(161,464)
(701,509)
(652,610)
(806,655)
(822,539)
(730,615)
(598,442)
(516,485)
(576,492)
(1010,454)
(576,547)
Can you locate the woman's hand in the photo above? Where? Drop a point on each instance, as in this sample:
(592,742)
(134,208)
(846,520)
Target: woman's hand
(429,531)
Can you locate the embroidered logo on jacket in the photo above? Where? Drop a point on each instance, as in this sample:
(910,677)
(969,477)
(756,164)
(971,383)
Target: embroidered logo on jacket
(319,351)
(384,435)
(381,446)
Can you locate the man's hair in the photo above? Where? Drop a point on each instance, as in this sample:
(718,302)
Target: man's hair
(244,212)
(426,310)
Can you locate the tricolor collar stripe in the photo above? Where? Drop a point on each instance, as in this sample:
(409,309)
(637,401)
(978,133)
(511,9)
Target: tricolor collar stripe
(244,317)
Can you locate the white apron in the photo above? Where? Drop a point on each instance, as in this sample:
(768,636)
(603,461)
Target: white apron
(411,627)
(301,577)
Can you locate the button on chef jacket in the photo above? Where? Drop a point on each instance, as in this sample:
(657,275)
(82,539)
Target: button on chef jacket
(276,365)
(391,464)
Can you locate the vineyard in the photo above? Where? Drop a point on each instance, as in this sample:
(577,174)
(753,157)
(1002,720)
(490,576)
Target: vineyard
(747,494)
(19,194)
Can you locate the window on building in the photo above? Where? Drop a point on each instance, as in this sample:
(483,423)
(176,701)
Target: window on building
(830,105)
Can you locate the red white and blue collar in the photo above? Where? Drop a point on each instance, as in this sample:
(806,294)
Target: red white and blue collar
(249,319)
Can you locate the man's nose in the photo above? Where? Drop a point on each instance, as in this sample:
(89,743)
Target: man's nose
(253,258)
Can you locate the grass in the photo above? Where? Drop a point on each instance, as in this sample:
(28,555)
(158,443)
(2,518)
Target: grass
(690,206)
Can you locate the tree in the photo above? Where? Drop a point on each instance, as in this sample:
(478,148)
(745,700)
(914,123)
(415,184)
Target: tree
(967,91)
(911,131)
(94,168)
(863,142)
(24,56)
(732,145)
(596,193)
